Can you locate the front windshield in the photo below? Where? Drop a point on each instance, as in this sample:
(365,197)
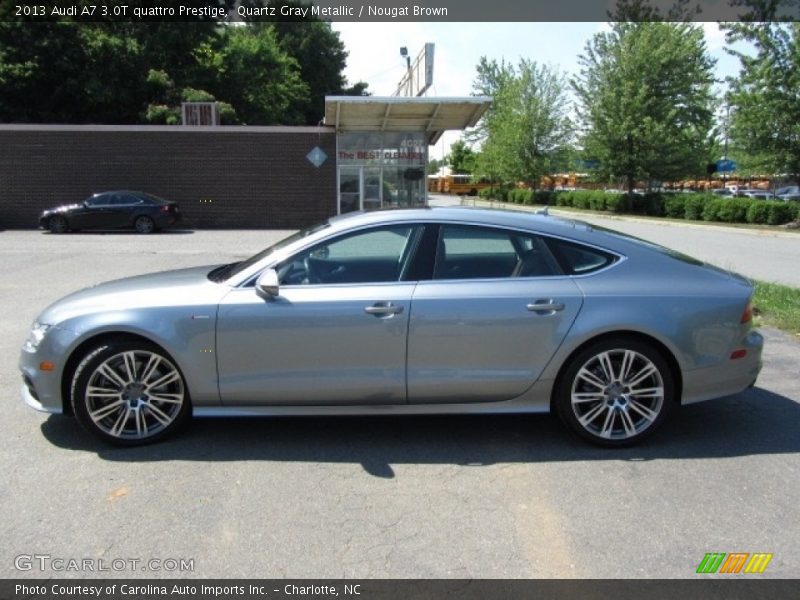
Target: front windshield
(224,273)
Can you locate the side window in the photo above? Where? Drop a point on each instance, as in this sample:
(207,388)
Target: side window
(127,200)
(372,256)
(470,252)
(577,259)
(100,200)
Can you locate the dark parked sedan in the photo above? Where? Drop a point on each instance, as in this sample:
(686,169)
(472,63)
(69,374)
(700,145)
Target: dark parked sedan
(113,210)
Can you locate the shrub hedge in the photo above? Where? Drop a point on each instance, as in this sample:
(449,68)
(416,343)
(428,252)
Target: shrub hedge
(696,207)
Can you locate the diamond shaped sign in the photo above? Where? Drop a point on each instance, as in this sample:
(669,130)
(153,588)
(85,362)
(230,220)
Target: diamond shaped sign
(317,156)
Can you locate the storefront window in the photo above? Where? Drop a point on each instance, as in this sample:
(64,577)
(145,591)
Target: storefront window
(381,169)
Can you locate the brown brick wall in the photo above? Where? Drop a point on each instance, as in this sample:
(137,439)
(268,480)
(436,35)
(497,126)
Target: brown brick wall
(232,177)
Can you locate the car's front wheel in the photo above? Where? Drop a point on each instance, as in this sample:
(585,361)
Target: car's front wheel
(615,392)
(129,393)
(57,224)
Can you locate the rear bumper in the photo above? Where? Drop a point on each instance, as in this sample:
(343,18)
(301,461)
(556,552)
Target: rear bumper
(167,219)
(729,377)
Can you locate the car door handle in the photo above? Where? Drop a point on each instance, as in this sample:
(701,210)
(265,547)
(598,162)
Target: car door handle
(545,306)
(383,309)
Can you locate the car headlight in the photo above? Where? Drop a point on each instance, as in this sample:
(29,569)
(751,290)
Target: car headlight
(36,335)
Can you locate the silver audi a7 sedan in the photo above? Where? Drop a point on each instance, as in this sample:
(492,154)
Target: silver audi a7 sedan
(413,311)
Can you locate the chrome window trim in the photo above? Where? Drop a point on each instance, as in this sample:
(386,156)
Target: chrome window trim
(248,280)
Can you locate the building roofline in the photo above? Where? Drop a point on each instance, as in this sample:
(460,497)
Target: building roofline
(167,128)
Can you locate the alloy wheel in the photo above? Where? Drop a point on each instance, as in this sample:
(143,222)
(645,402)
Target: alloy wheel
(617,394)
(134,395)
(144,225)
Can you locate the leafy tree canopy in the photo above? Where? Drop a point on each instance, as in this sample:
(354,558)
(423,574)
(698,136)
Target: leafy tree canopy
(461,158)
(645,101)
(119,72)
(764,102)
(526,133)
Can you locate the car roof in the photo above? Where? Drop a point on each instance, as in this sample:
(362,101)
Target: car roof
(463,214)
(569,229)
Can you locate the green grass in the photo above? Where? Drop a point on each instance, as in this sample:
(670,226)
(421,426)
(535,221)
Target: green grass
(777,306)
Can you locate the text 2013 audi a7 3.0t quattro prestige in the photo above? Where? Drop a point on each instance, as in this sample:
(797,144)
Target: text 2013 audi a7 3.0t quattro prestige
(416,311)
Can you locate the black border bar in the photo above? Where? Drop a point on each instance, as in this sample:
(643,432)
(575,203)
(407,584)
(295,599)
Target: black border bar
(370,11)
(727,588)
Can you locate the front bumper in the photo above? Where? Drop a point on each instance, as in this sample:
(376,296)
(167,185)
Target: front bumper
(41,390)
(27,395)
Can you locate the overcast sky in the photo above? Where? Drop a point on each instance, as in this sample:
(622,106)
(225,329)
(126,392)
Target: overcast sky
(375,52)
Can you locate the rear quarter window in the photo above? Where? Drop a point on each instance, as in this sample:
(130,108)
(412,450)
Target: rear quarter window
(577,259)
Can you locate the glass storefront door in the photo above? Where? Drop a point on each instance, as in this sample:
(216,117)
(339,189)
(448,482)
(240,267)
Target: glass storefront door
(372,188)
(349,189)
(360,189)
(381,169)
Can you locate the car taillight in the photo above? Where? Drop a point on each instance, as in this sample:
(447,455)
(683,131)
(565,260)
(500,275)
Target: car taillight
(747,315)
(165,208)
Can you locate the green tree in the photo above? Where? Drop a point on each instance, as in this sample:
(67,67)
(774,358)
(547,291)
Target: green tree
(527,130)
(122,72)
(764,101)
(645,101)
(41,73)
(257,78)
(490,78)
(320,54)
(434,164)
(461,157)
(78,72)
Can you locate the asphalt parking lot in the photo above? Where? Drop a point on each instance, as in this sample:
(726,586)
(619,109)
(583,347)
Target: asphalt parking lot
(472,497)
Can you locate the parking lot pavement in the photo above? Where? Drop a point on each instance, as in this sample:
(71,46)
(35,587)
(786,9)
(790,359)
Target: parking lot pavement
(404,497)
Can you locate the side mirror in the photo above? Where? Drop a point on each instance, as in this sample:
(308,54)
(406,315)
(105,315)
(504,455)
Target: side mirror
(267,285)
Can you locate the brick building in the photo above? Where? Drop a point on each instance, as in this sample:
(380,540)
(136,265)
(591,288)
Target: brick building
(372,153)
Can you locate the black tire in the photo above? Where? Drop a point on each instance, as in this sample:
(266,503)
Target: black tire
(144,224)
(139,395)
(58,224)
(610,415)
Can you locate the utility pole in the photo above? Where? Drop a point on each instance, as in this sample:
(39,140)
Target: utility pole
(404,54)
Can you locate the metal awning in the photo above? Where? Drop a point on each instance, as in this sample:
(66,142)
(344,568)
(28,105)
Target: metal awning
(432,115)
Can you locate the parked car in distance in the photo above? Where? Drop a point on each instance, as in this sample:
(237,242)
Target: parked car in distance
(791,192)
(121,209)
(724,193)
(404,311)
(788,190)
(755,194)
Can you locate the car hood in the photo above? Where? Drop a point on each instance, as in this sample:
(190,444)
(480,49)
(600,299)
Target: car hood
(183,287)
(61,209)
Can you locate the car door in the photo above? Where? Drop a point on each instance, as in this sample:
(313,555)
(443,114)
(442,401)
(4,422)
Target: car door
(335,334)
(490,319)
(93,213)
(121,210)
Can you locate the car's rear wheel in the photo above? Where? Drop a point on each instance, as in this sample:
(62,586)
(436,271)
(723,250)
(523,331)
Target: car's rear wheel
(144,224)
(57,224)
(129,393)
(615,392)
